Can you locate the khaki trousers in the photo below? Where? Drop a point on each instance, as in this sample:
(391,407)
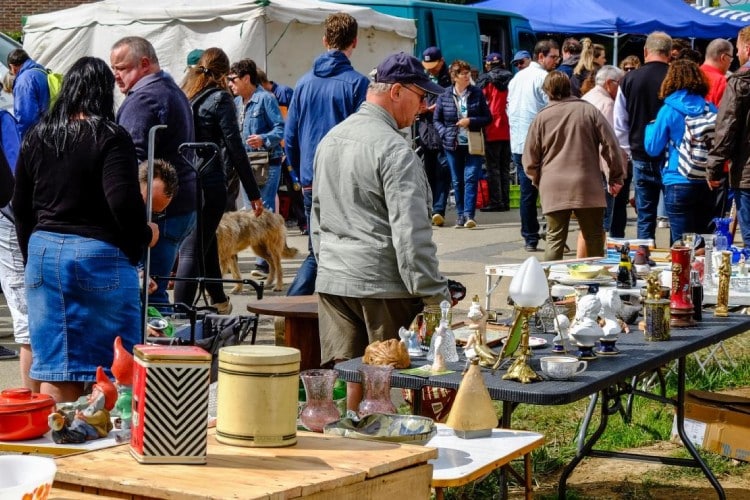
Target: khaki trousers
(590,220)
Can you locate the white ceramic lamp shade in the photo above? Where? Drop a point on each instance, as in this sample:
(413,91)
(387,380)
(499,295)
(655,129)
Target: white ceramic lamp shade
(529,286)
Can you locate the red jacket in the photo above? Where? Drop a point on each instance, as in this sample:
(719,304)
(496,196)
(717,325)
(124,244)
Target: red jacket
(494,85)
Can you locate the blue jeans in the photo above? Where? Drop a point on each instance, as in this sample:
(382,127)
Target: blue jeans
(439,178)
(269,189)
(742,200)
(172,232)
(465,171)
(304,282)
(529,194)
(648,186)
(689,208)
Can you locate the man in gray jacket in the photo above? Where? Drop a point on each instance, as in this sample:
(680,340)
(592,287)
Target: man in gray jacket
(371,226)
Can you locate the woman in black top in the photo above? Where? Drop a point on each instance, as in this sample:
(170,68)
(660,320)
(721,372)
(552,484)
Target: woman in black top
(81,224)
(215,122)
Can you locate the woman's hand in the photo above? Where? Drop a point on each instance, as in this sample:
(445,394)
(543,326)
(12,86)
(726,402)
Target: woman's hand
(463,123)
(154,234)
(257,206)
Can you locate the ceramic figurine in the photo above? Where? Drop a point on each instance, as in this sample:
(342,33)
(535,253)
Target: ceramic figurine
(438,340)
(653,286)
(477,343)
(122,369)
(626,277)
(91,423)
(611,306)
(411,341)
(447,348)
(585,329)
(560,342)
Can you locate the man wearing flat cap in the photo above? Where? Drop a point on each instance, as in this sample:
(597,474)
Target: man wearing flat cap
(371,232)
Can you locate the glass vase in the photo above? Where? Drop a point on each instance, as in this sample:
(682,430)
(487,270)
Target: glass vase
(319,409)
(376,389)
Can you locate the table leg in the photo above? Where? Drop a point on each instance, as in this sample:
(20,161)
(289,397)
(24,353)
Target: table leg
(527,475)
(304,334)
(683,435)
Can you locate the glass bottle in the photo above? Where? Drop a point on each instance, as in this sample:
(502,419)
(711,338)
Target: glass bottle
(376,390)
(319,409)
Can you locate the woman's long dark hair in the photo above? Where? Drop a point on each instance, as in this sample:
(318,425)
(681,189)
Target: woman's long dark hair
(86,99)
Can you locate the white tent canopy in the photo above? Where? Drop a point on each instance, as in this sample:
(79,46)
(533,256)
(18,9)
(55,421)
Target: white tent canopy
(282,36)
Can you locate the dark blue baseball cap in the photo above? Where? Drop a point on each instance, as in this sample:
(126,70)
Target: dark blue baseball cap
(431,57)
(494,58)
(403,68)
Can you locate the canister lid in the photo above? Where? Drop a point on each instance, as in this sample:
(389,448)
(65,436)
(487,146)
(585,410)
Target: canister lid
(21,399)
(154,352)
(259,355)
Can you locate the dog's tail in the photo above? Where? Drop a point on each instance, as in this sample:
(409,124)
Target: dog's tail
(288,253)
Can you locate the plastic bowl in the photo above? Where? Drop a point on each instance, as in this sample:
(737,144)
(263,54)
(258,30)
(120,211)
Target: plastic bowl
(584,271)
(25,476)
(393,428)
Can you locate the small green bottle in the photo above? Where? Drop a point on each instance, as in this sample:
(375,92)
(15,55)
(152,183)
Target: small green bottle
(339,396)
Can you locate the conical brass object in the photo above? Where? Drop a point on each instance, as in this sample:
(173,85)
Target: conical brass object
(473,414)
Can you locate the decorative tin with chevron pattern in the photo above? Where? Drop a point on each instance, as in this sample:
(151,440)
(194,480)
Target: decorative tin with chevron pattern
(170,404)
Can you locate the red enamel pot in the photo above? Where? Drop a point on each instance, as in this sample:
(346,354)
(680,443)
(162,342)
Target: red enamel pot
(23,414)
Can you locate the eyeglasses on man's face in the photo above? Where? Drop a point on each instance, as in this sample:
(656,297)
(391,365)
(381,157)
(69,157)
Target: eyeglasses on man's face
(421,96)
(232,78)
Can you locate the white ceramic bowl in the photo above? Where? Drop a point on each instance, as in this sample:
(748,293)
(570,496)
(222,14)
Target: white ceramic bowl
(22,475)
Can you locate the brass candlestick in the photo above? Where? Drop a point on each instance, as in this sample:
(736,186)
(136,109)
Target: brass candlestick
(520,370)
(725,275)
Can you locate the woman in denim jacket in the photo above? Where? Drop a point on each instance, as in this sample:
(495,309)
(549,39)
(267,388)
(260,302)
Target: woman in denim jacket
(460,109)
(261,123)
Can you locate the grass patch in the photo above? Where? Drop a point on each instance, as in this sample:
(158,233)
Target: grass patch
(651,422)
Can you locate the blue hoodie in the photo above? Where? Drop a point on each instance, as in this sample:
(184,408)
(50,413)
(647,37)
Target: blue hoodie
(667,130)
(30,95)
(322,98)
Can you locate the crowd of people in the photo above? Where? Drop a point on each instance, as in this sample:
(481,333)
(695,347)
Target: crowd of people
(578,131)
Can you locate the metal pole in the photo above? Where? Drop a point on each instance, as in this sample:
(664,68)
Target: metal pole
(147,261)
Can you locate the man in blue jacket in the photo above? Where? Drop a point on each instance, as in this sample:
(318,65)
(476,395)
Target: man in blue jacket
(322,98)
(30,90)
(153,98)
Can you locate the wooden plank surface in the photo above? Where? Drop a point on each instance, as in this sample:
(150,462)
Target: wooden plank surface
(316,465)
(301,306)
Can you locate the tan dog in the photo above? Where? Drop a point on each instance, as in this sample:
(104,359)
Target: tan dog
(266,235)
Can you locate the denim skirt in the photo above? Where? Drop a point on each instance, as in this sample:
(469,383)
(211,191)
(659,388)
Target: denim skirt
(81,294)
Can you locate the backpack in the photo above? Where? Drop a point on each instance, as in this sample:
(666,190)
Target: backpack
(696,142)
(54,82)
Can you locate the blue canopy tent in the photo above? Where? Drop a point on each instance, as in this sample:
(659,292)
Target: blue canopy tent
(617,18)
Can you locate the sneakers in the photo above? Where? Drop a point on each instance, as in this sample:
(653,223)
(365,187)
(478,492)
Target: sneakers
(6,353)
(567,250)
(529,247)
(438,220)
(460,221)
(470,224)
(260,272)
(223,308)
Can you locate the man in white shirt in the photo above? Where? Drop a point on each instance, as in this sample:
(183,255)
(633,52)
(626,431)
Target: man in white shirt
(525,99)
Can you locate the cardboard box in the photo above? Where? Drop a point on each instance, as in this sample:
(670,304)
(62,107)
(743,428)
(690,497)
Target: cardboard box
(718,422)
